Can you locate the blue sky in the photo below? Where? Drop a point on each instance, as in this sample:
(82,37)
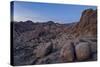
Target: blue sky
(42,12)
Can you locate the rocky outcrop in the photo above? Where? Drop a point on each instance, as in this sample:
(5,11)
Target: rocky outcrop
(87,24)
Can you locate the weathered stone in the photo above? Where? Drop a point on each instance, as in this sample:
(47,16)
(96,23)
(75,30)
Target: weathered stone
(82,51)
(43,49)
(67,52)
(52,58)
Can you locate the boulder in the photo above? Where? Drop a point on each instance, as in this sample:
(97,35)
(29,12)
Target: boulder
(82,51)
(52,58)
(43,50)
(67,52)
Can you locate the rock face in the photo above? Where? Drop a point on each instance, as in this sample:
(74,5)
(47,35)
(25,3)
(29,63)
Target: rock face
(87,24)
(50,42)
(82,51)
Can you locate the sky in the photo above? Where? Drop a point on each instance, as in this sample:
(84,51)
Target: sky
(43,12)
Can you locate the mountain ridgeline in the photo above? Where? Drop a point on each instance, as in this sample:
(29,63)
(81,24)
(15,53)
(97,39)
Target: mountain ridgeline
(50,42)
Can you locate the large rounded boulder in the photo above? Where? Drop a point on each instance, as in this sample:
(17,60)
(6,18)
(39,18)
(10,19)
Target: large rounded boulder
(82,51)
(67,52)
